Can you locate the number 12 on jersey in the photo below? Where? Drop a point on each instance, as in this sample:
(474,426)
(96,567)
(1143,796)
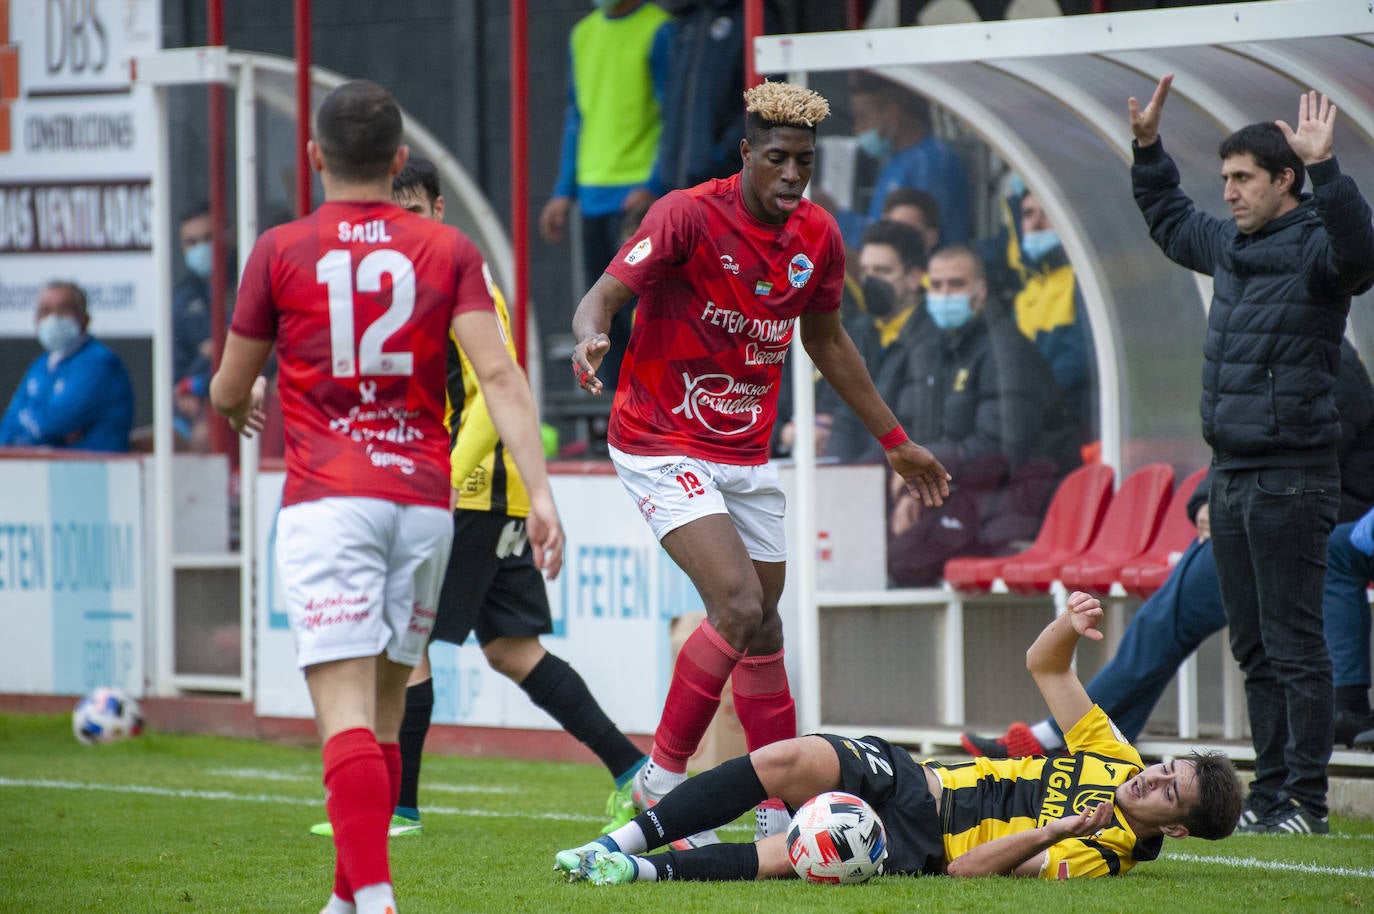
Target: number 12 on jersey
(335,272)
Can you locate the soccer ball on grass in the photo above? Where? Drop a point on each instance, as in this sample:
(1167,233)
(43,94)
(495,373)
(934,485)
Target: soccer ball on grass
(106,715)
(836,837)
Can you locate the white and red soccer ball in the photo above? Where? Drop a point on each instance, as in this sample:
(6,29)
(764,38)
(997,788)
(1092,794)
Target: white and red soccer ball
(836,838)
(106,715)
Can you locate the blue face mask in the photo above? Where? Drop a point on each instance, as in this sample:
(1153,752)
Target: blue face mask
(199,258)
(949,312)
(1038,244)
(57,332)
(874,144)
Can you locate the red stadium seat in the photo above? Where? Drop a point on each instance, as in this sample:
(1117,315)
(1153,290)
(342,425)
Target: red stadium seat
(1147,572)
(1132,520)
(1073,517)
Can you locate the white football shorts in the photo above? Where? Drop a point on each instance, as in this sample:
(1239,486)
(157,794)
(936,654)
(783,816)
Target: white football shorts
(673,491)
(361,575)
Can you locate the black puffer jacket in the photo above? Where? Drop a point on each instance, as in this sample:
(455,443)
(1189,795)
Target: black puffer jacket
(1279,306)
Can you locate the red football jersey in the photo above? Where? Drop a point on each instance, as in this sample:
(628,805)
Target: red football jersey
(359,296)
(719,293)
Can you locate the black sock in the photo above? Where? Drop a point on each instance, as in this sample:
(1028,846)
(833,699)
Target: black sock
(557,688)
(1353,699)
(414,729)
(712,863)
(712,798)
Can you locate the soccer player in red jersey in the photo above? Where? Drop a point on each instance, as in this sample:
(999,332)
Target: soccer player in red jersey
(359,298)
(723,270)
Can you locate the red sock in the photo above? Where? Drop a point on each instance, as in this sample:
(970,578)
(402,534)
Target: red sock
(357,794)
(391,754)
(703,665)
(763,701)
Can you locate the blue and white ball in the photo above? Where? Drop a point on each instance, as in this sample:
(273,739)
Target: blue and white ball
(106,715)
(836,838)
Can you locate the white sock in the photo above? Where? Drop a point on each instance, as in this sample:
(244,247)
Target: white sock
(660,780)
(1047,735)
(644,870)
(378,898)
(629,838)
(337,905)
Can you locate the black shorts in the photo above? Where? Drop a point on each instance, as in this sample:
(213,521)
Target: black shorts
(491,586)
(896,788)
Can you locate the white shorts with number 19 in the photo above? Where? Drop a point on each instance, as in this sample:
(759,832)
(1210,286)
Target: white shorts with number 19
(673,491)
(361,575)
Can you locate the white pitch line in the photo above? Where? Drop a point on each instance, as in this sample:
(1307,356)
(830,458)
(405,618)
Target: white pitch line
(1256,864)
(267,774)
(277,800)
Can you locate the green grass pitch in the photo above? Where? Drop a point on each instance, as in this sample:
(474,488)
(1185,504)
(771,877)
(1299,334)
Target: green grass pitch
(204,824)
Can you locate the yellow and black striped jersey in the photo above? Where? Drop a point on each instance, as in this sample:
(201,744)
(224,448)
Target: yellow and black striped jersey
(987,799)
(480,468)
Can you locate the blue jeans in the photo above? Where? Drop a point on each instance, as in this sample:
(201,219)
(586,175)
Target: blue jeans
(1345,608)
(1269,534)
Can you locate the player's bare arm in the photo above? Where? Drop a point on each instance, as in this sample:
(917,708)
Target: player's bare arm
(1023,854)
(513,413)
(1311,140)
(1050,659)
(237,389)
(590,324)
(829,346)
(1145,124)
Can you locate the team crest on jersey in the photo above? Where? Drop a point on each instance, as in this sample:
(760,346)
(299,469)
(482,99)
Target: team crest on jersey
(639,252)
(799,271)
(1089,799)
(729,264)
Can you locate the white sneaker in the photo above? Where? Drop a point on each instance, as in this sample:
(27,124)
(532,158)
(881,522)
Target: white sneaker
(644,798)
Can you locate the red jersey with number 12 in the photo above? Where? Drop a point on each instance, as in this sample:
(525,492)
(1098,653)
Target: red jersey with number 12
(719,292)
(359,297)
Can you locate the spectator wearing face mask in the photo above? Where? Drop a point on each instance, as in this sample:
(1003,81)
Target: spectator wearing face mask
(192,337)
(888,333)
(893,127)
(986,400)
(77,395)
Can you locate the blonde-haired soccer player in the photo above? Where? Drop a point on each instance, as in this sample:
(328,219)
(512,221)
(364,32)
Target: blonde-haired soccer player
(724,272)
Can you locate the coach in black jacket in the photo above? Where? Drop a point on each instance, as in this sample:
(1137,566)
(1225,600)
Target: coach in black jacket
(1284,269)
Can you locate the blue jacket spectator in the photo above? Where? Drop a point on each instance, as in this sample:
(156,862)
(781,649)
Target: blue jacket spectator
(78,394)
(703,116)
(893,125)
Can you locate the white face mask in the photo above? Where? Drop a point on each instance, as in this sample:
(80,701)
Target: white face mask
(57,332)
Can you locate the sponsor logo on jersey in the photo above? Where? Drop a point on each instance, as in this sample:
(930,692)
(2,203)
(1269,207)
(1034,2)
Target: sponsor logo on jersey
(718,401)
(762,287)
(639,252)
(799,270)
(729,264)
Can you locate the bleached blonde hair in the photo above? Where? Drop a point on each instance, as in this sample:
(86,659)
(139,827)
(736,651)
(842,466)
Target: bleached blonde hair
(785,105)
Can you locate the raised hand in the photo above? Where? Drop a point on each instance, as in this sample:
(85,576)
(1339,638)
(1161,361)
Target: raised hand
(1311,141)
(1145,124)
(1085,612)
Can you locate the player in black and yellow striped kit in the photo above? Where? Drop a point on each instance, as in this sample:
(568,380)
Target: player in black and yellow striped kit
(491,586)
(1096,812)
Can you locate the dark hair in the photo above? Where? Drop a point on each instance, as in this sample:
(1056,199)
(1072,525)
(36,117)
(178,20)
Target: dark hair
(963,250)
(756,128)
(419,173)
(914,105)
(195,210)
(358,129)
(72,289)
(1219,799)
(1271,151)
(911,196)
(902,238)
